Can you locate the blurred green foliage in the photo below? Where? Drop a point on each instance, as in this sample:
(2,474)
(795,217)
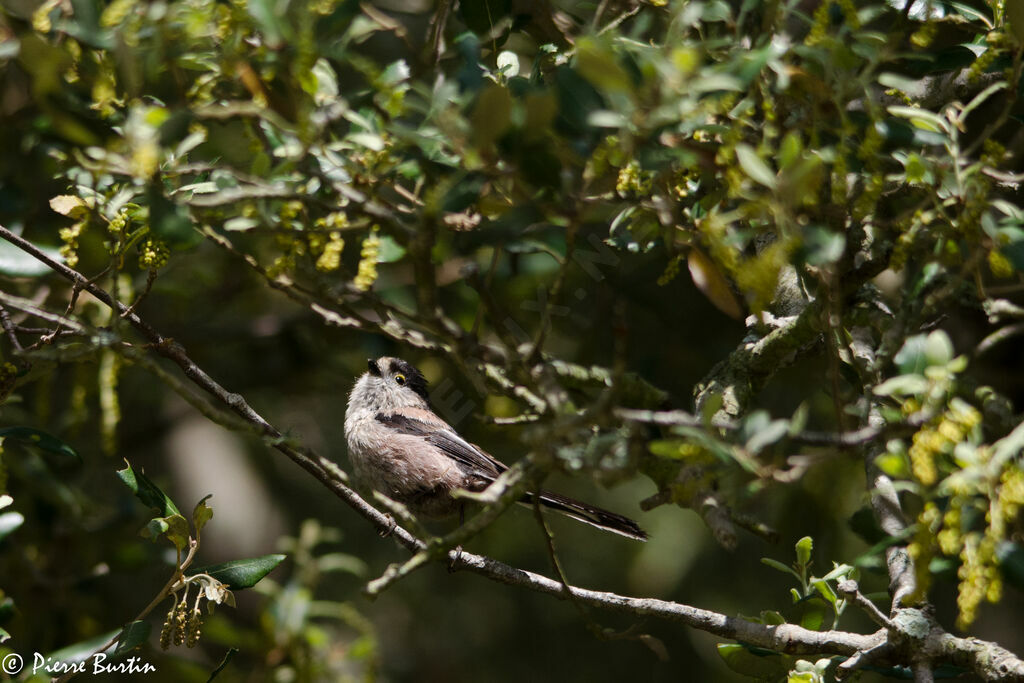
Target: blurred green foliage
(505,193)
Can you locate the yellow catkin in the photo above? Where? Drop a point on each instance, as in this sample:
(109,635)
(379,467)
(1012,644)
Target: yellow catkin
(367,273)
(330,258)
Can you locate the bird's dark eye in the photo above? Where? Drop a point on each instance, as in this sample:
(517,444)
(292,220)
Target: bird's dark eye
(400,378)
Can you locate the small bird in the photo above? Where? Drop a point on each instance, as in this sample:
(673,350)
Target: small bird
(400,447)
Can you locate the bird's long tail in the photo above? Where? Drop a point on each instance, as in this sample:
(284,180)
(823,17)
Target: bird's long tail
(590,514)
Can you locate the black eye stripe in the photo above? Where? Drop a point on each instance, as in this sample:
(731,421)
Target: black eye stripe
(412,378)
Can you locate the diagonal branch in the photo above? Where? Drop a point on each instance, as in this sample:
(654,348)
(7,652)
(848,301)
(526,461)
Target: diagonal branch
(987,659)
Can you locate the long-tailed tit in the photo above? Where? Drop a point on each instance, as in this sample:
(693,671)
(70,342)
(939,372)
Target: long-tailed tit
(399,447)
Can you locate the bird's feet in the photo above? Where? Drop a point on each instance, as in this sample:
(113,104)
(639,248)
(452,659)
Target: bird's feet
(390,529)
(453,563)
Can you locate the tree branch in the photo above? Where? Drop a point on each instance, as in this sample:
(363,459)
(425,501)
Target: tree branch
(987,659)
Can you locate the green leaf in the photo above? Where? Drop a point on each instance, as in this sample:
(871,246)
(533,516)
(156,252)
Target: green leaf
(710,407)
(9,523)
(148,492)
(155,528)
(815,613)
(790,149)
(804,547)
(767,435)
(202,514)
(174,526)
(775,564)
(980,98)
(893,464)
(823,246)
(708,278)
(914,168)
(492,115)
(938,348)
(911,359)
(754,166)
(37,437)
(269,15)
(241,573)
(1009,446)
(17,263)
(902,385)
(577,99)
(70,205)
(972,13)
(597,62)
(826,591)
(132,635)
(171,222)
(6,609)
(798,422)
(921,118)
(753,662)
(838,572)
(389,250)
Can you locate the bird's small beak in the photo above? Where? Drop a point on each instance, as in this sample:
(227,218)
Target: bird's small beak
(371,364)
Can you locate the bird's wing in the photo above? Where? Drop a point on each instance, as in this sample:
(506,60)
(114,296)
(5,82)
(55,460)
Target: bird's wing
(439,434)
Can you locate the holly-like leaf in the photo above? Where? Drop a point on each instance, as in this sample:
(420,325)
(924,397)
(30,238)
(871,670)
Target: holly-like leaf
(241,573)
(202,514)
(148,492)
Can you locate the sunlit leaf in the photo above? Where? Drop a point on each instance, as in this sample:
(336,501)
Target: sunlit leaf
(9,523)
(241,573)
(712,283)
(752,662)
(202,513)
(754,166)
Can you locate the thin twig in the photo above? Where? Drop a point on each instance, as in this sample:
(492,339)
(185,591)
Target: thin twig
(10,330)
(179,571)
(987,659)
